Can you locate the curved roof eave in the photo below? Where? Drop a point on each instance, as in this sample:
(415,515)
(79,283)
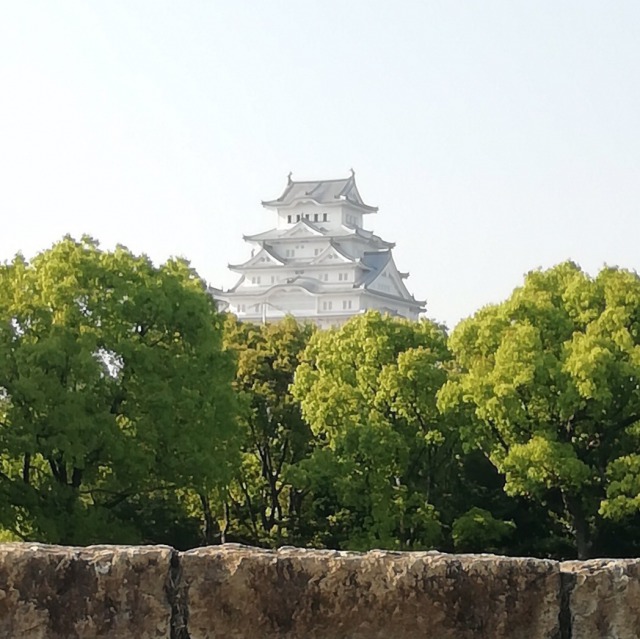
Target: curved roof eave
(233,289)
(275,204)
(293,283)
(324,192)
(338,250)
(238,268)
(412,301)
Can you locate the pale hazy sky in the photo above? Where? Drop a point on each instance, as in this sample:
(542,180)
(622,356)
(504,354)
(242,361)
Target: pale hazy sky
(494,136)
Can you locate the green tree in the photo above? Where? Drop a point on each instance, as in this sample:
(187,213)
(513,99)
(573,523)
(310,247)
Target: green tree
(384,457)
(113,385)
(548,387)
(262,504)
(478,530)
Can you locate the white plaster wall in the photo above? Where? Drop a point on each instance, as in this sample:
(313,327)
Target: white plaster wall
(310,208)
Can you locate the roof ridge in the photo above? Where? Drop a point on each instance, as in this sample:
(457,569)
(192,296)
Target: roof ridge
(268,249)
(345,179)
(350,182)
(342,252)
(322,191)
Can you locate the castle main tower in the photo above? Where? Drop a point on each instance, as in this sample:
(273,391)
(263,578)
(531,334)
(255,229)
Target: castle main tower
(318,263)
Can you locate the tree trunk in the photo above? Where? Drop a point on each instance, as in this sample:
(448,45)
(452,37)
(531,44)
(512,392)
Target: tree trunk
(209,527)
(579,525)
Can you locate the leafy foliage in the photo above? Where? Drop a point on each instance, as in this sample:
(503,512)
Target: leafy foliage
(262,504)
(368,391)
(132,411)
(478,530)
(549,382)
(113,385)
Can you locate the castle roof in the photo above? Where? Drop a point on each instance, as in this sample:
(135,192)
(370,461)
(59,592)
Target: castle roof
(375,261)
(266,254)
(344,232)
(321,192)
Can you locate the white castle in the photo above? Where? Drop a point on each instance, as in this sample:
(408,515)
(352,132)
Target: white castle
(318,263)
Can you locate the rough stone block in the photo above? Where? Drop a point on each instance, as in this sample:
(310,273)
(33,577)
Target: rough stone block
(604,598)
(242,593)
(54,592)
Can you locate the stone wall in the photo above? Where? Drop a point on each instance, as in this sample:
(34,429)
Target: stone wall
(235,592)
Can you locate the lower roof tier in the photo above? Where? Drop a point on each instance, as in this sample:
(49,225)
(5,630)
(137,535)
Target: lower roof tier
(304,302)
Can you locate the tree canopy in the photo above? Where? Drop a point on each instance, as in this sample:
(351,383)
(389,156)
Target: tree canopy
(262,504)
(368,391)
(132,411)
(549,384)
(113,385)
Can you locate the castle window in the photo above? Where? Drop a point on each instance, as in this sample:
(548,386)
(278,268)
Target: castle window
(346,305)
(289,219)
(298,217)
(325,277)
(324,217)
(315,217)
(326,305)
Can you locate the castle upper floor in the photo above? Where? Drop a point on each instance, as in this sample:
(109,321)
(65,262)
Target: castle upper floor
(328,203)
